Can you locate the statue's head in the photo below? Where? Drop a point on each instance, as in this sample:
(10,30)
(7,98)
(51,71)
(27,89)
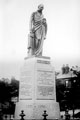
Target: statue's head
(40,7)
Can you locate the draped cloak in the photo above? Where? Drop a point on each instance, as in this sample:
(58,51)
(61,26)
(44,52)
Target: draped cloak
(38,28)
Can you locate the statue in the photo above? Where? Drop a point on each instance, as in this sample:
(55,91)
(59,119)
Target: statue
(38,30)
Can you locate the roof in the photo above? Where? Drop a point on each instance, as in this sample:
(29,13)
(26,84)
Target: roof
(65,76)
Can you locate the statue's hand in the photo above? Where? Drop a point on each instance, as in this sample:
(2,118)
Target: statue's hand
(44,20)
(33,30)
(30,30)
(44,38)
(31,33)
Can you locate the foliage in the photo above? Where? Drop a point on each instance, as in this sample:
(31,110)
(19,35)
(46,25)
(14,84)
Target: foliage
(7,92)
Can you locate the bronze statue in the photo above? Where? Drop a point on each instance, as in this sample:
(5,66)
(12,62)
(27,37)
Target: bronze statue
(38,30)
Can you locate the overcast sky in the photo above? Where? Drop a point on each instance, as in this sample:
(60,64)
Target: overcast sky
(62,43)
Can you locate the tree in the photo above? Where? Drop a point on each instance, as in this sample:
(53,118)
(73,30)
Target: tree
(7,92)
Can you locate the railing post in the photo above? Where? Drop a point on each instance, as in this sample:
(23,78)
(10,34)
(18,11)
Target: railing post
(45,115)
(22,115)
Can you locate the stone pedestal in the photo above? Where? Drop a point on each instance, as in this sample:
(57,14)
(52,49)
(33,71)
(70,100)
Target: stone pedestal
(37,90)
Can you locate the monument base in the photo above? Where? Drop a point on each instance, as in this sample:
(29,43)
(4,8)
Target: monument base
(37,90)
(35,110)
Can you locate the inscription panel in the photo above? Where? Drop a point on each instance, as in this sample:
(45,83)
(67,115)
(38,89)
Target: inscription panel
(25,85)
(45,84)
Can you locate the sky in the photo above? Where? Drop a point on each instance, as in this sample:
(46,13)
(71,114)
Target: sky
(62,42)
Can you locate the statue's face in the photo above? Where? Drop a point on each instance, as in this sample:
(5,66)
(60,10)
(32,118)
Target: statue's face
(40,7)
(40,10)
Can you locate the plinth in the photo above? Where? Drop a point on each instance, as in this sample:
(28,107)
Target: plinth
(37,90)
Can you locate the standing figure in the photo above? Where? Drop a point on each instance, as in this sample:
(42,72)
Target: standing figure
(38,30)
